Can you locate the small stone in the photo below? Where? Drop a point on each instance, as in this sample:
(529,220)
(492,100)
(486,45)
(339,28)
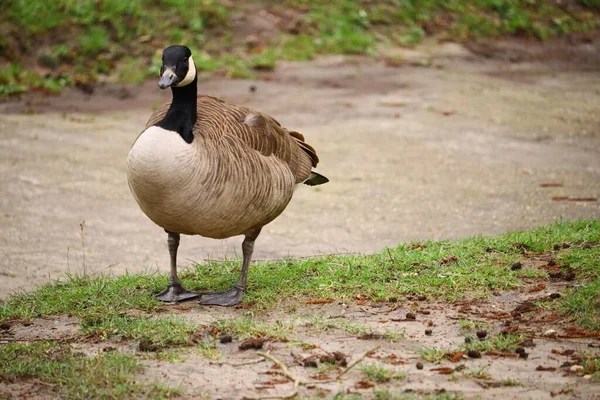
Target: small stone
(555,296)
(481,334)
(519,350)
(556,247)
(254,343)
(411,316)
(474,354)
(419,365)
(588,376)
(428,332)
(550,333)
(576,368)
(226,339)
(516,266)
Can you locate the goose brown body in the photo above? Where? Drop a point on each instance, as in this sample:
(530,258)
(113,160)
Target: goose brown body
(238,174)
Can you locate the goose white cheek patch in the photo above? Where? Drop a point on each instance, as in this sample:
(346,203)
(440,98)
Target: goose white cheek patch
(191,74)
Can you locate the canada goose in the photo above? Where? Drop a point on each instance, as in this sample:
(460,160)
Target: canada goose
(206,167)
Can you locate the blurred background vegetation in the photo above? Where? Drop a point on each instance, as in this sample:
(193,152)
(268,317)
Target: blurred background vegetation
(46,45)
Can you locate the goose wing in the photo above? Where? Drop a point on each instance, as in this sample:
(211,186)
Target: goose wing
(219,120)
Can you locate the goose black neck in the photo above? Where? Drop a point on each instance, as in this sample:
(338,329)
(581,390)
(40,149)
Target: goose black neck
(182,114)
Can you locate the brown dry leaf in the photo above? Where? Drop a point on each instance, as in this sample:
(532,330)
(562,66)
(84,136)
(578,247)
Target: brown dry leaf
(542,368)
(364,384)
(551,184)
(443,370)
(454,357)
(537,288)
(276,382)
(574,333)
(448,260)
(510,329)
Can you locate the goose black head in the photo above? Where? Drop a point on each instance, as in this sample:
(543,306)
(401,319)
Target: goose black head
(178,67)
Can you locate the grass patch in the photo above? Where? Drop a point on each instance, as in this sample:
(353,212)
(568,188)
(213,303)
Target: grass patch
(510,382)
(94,37)
(495,343)
(448,270)
(479,373)
(380,374)
(76,376)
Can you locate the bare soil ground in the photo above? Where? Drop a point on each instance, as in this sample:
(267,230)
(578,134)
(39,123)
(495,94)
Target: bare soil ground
(436,142)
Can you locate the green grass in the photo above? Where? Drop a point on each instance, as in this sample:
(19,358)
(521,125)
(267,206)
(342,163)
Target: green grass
(89,38)
(76,376)
(447,270)
(123,307)
(380,374)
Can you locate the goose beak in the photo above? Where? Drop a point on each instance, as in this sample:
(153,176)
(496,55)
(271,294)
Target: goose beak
(167,79)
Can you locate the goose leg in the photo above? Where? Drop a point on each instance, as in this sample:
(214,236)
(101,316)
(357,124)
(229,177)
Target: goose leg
(175,291)
(234,295)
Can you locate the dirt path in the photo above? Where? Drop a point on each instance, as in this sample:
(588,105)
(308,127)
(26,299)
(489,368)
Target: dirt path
(446,145)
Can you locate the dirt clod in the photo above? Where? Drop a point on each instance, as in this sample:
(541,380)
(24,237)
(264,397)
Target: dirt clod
(556,247)
(516,266)
(337,358)
(226,339)
(474,354)
(421,298)
(254,343)
(411,316)
(555,296)
(519,350)
(310,362)
(5,326)
(481,334)
(428,332)
(148,346)
(419,365)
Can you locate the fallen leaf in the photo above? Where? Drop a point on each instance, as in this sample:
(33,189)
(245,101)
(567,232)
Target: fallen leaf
(443,370)
(454,357)
(551,184)
(364,384)
(537,288)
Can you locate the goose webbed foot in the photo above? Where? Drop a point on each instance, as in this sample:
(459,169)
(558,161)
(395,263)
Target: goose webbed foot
(176,292)
(227,298)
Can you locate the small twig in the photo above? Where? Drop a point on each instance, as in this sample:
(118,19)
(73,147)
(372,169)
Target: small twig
(390,255)
(355,362)
(286,373)
(81,225)
(256,361)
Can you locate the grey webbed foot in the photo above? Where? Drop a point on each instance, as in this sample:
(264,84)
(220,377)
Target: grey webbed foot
(176,292)
(226,298)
